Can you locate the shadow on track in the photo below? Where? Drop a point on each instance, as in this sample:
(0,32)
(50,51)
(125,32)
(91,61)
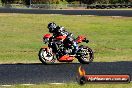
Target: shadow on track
(61,72)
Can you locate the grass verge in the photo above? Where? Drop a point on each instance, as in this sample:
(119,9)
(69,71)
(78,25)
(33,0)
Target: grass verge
(21,35)
(74,85)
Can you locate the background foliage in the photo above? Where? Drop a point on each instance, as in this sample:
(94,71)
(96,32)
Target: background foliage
(66,1)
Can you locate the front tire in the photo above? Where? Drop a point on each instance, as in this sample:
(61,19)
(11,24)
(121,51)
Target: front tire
(86,55)
(45,56)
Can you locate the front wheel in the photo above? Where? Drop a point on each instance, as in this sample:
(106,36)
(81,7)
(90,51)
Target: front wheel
(46,56)
(85,55)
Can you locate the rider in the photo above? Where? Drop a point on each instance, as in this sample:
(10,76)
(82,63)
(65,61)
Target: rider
(57,30)
(60,31)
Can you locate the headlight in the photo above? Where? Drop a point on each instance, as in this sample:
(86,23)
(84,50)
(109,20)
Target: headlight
(45,40)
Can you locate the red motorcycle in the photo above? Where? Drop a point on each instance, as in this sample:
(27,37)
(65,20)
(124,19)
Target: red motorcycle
(51,54)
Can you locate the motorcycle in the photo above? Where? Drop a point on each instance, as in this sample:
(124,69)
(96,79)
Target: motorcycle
(55,50)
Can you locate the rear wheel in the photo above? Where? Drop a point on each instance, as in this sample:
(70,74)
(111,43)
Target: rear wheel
(46,56)
(85,55)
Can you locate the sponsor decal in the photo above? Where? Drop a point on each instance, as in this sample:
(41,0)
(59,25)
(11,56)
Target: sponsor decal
(83,78)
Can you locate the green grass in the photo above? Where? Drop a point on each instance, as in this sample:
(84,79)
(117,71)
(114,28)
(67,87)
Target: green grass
(75,85)
(21,36)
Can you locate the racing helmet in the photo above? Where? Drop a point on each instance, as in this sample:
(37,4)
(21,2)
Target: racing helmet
(51,27)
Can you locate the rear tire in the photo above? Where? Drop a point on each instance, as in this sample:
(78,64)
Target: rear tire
(44,58)
(86,56)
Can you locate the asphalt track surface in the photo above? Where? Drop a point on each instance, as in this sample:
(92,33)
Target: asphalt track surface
(57,73)
(127,13)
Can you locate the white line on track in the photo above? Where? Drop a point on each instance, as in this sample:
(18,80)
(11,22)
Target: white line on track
(6,85)
(57,83)
(27,84)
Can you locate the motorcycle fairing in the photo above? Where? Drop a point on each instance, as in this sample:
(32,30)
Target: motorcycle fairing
(47,36)
(66,58)
(61,38)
